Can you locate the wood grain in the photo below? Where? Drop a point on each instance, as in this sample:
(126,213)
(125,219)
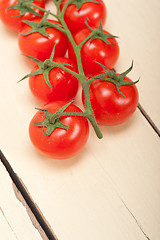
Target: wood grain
(111,189)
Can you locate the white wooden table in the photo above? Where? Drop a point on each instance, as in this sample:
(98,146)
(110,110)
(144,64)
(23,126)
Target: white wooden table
(111,190)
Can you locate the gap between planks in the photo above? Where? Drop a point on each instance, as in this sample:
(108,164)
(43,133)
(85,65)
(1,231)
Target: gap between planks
(149,120)
(28,201)
(36,216)
(147,117)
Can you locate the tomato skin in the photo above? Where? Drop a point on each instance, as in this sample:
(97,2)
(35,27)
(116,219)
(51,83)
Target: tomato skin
(39,46)
(64,85)
(62,143)
(93,12)
(95,50)
(8,16)
(109,106)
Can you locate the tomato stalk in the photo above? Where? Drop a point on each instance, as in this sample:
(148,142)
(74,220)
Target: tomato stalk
(48,64)
(54,119)
(44,10)
(109,74)
(88,113)
(77,49)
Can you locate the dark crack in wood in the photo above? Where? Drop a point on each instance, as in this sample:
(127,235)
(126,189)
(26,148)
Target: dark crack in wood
(29,212)
(135,219)
(150,121)
(27,198)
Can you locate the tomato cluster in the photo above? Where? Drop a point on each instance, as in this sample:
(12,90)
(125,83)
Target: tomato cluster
(74,48)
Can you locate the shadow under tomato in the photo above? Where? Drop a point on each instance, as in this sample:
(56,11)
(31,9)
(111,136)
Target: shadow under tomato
(119,128)
(9,31)
(60,163)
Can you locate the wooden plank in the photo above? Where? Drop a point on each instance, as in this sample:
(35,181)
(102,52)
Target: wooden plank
(14,220)
(111,189)
(102,189)
(136,24)
(24,197)
(5,228)
(95,193)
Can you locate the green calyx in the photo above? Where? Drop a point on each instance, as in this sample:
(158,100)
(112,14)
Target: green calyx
(51,121)
(79,3)
(45,67)
(112,77)
(24,6)
(41,26)
(98,33)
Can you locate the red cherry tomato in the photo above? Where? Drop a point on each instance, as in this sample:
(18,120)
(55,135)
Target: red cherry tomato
(92,11)
(95,50)
(111,107)
(39,46)
(64,85)
(62,143)
(9,17)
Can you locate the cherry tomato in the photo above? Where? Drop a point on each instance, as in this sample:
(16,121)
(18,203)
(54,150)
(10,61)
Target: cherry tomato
(92,11)
(62,143)
(111,107)
(39,46)
(9,17)
(64,85)
(95,50)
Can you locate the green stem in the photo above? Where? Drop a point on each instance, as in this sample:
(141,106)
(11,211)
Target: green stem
(66,114)
(76,49)
(60,17)
(95,126)
(49,63)
(43,10)
(89,111)
(97,77)
(89,114)
(79,64)
(85,40)
(69,70)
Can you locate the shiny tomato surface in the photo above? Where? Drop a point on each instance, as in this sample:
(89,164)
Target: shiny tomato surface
(95,51)
(9,17)
(39,46)
(62,143)
(93,12)
(111,107)
(64,85)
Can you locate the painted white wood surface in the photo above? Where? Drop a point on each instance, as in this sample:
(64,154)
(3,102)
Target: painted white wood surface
(15,223)
(137,25)
(111,189)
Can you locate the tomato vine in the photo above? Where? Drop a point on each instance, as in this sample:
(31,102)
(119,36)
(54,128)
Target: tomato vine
(78,46)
